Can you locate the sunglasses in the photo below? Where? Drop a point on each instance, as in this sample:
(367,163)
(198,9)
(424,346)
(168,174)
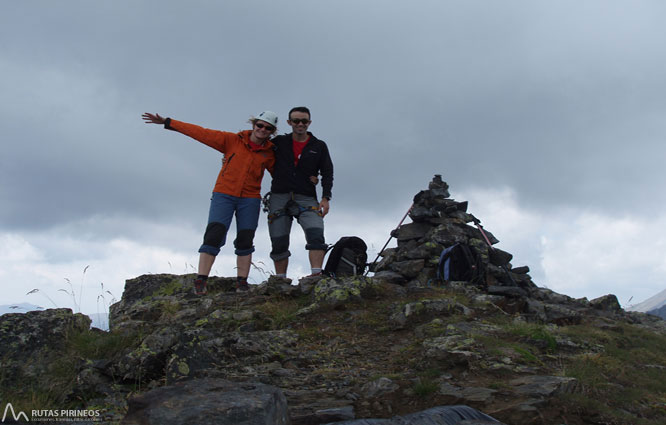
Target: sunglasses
(264,126)
(300,121)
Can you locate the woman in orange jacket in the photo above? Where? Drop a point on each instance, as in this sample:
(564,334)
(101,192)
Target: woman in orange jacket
(237,189)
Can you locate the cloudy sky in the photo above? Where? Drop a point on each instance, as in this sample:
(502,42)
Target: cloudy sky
(548,117)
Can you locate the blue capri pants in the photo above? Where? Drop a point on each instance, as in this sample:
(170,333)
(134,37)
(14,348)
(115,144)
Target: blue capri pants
(222,209)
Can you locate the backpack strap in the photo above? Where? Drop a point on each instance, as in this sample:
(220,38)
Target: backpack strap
(353,265)
(443,265)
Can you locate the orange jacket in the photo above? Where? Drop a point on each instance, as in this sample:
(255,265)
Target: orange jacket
(242,168)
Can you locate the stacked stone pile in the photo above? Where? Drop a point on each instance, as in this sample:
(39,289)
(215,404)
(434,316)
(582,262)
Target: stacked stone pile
(439,222)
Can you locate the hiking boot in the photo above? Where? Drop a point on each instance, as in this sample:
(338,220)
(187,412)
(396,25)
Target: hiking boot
(200,287)
(315,274)
(242,286)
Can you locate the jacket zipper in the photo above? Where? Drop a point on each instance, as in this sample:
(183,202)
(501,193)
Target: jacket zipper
(226,163)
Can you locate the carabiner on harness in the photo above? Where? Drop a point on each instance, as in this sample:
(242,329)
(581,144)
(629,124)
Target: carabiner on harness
(286,209)
(266,202)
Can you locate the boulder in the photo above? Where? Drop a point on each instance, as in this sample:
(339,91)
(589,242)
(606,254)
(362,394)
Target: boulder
(499,257)
(390,277)
(411,231)
(410,268)
(442,415)
(208,401)
(31,342)
(544,386)
(606,303)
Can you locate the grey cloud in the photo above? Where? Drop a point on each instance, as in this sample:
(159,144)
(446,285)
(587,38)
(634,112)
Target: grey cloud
(562,102)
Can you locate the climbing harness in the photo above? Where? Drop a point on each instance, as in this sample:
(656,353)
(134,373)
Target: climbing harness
(286,210)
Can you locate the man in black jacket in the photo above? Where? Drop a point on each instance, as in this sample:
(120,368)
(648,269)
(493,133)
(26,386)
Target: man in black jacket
(299,159)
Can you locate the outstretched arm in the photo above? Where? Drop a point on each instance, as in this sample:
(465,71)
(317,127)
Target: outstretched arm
(214,138)
(153,119)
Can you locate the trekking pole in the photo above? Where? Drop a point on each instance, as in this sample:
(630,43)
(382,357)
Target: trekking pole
(477,222)
(389,239)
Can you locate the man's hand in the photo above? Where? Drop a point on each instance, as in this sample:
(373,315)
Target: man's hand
(153,119)
(314,180)
(323,207)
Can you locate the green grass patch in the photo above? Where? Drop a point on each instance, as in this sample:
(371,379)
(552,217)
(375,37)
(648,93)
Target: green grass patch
(497,345)
(535,332)
(97,345)
(34,399)
(526,355)
(626,374)
(282,312)
(424,387)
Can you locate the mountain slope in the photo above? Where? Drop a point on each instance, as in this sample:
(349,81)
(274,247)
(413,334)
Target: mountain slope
(651,303)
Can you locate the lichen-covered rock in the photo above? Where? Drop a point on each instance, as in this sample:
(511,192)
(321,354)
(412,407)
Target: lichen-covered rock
(334,293)
(31,342)
(150,298)
(146,362)
(306,284)
(453,349)
(447,234)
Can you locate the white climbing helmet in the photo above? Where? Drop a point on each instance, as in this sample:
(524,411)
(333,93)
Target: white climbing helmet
(269,117)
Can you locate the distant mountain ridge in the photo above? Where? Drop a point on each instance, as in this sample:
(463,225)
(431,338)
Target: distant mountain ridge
(18,308)
(661,312)
(653,303)
(99,320)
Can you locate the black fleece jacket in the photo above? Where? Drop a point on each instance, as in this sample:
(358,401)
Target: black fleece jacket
(315,160)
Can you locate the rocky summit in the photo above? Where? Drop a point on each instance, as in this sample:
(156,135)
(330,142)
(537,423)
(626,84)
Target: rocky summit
(400,347)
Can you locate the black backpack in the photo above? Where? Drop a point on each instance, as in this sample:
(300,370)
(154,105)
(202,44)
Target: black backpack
(460,263)
(348,257)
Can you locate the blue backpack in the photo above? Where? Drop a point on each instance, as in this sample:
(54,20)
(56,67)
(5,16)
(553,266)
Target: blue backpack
(460,263)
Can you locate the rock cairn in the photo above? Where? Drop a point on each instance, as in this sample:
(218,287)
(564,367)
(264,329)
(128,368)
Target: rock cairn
(439,222)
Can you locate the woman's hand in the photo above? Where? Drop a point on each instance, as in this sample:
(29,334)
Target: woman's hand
(153,119)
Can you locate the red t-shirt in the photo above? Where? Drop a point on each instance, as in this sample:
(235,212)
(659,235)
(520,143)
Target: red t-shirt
(298,149)
(253,146)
